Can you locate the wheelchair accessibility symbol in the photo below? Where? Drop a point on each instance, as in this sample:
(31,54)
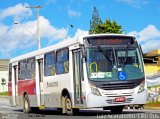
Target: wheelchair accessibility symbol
(122,75)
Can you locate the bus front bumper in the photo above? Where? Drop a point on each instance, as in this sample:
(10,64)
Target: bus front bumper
(104,101)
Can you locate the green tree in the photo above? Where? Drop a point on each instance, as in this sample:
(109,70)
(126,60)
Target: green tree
(95,22)
(109,27)
(97,26)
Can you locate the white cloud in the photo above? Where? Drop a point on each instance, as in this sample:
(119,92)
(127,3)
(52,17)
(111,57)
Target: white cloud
(135,3)
(50,2)
(78,33)
(47,30)
(149,38)
(151,45)
(18,11)
(22,36)
(3,29)
(72,13)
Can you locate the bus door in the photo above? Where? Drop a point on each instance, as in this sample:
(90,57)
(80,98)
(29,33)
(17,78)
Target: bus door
(15,85)
(77,77)
(39,83)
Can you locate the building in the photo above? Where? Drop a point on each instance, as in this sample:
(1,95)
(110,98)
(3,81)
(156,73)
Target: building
(152,62)
(152,70)
(4,75)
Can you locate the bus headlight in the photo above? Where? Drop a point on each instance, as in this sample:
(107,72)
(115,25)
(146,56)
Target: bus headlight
(94,90)
(141,87)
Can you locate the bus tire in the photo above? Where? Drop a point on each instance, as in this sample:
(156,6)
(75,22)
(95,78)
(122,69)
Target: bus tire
(63,105)
(117,109)
(67,106)
(26,104)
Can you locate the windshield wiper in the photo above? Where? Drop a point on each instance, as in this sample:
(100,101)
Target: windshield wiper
(126,53)
(122,61)
(103,52)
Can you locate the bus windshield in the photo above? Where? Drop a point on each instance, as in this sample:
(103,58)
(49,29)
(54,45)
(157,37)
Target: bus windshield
(107,63)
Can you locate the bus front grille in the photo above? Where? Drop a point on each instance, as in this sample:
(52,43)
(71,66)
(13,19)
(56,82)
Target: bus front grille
(117,86)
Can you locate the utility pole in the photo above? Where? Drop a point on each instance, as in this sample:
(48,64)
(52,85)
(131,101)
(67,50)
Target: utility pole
(38,30)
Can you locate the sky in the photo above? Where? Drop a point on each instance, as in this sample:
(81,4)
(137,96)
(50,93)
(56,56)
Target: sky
(18,25)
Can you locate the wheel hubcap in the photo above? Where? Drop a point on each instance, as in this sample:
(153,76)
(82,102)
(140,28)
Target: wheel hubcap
(26,105)
(68,104)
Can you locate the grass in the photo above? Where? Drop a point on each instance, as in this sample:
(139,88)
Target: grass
(153,86)
(151,108)
(153,104)
(4,94)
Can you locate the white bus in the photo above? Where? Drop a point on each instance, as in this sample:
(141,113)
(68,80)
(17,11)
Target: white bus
(95,71)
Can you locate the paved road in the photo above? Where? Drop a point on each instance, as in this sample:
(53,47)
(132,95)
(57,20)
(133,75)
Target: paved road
(8,112)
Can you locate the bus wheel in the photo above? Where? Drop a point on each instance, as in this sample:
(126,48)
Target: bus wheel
(67,106)
(117,109)
(63,105)
(26,105)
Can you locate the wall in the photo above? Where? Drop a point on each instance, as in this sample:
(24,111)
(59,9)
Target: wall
(151,69)
(3,74)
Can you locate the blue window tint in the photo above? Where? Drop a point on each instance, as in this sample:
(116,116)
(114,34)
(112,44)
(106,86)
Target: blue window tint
(49,64)
(27,69)
(22,70)
(30,68)
(62,65)
(59,68)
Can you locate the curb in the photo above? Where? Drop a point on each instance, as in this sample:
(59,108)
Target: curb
(152,108)
(4,96)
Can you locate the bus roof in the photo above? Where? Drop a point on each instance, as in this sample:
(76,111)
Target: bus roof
(57,46)
(60,45)
(120,35)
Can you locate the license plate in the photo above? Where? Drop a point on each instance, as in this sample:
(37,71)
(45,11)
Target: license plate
(120,99)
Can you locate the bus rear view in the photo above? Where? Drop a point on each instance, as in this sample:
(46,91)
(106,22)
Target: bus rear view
(115,72)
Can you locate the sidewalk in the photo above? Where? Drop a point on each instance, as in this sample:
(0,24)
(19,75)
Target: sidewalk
(2,96)
(4,99)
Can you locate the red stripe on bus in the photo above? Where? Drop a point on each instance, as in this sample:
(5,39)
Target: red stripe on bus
(9,89)
(27,86)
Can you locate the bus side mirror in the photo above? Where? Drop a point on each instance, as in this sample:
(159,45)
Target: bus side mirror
(83,54)
(141,50)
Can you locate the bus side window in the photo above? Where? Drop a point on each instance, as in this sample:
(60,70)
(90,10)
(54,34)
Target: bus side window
(49,64)
(62,64)
(10,72)
(22,70)
(30,68)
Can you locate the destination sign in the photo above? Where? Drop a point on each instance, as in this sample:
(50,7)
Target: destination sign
(110,40)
